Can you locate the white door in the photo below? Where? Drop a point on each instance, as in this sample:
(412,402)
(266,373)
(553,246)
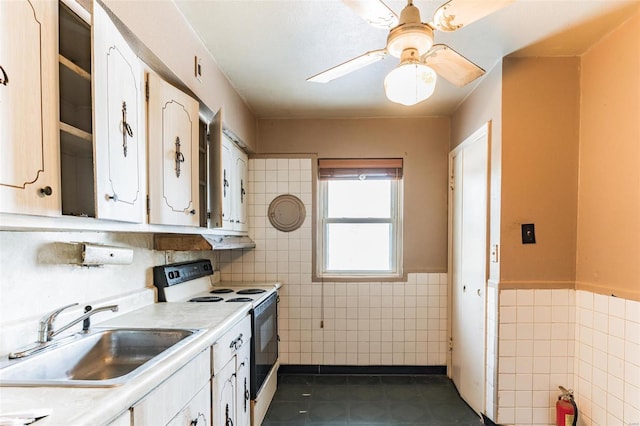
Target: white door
(173,155)
(469,173)
(119,130)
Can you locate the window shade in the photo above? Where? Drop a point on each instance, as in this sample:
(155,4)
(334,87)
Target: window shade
(352,169)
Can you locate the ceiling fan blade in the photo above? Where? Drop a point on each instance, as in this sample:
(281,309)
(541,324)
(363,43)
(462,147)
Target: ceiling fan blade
(456,14)
(375,12)
(451,65)
(349,66)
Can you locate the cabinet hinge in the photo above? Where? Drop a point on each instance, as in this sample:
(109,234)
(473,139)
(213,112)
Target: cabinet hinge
(148,205)
(208,215)
(146,90)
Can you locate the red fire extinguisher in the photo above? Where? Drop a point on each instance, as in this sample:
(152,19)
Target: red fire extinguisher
(566,409)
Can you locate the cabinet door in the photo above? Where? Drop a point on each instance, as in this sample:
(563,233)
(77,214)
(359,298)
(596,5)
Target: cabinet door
(29,171)
(226,171)
(224,395)
(243,388)
(173,155)
(241,175)
(197,412)
(167,400)
(119,126)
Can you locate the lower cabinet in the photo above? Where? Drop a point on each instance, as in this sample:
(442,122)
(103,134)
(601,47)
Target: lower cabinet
(179,400)
(231,382)
(197,412)
(243,388)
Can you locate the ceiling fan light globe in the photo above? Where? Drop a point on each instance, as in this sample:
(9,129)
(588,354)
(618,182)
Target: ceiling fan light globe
(410,83)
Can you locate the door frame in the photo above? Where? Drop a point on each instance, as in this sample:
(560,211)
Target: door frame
(483,131)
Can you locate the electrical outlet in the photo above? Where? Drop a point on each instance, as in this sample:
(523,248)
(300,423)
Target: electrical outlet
(198,68)
(528,233)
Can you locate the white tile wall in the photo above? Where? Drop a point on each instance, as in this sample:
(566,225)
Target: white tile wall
(578,339)
(607,360)
(535,353)
(336,323)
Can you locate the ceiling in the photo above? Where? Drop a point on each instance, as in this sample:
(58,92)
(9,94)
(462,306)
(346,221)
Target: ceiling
(268,48)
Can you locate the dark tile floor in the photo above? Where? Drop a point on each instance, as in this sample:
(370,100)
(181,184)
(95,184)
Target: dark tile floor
(339,400)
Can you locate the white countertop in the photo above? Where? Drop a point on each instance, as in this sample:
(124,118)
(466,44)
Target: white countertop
(92,406)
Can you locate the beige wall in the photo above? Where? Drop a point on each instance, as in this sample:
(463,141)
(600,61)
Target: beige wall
(540,113)
(608,241)
(163,29)
(485,105)
(422,142)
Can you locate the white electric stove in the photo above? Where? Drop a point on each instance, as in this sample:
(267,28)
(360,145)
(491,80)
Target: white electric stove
(191,282)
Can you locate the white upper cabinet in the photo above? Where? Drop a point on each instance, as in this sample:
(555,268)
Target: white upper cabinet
(173,155)
(29,171)
(241,178)
(119,124)
(235,173)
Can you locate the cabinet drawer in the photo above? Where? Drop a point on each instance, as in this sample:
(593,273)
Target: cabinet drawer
(165,401)
(231,342)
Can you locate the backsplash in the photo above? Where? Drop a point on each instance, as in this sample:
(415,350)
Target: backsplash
(35,279)
(334,323)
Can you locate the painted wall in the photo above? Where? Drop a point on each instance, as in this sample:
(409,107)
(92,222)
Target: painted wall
(422,142)
(540,113)
(164,30)
(608,241)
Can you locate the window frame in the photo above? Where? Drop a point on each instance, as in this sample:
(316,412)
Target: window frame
(395,238)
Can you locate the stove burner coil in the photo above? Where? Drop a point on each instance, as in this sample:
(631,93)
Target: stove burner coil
(240,299)
(206,299)
(251,291)
(221,291)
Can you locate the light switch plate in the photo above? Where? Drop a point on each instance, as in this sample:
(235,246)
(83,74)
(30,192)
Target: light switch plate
(528,233)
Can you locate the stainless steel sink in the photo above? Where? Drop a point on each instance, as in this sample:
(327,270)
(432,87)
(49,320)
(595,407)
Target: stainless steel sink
(99,358)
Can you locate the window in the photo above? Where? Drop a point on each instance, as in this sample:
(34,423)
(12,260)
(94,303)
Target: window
(359,222)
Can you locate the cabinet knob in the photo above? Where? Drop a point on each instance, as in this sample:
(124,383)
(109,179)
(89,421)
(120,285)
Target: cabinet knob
(46,191)
(113,197)
(192,212)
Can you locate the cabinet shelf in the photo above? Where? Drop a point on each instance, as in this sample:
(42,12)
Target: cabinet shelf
(74,67)
(79,133)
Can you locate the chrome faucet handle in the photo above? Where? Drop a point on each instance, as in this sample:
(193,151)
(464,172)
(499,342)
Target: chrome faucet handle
(46,323)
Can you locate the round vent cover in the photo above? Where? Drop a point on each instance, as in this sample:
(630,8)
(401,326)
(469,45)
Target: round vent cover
(286,213)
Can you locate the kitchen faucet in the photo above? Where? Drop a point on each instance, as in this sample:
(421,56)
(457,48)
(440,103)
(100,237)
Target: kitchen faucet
(46,331)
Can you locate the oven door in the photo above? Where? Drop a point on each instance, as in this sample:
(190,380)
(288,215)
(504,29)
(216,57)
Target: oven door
(264,341)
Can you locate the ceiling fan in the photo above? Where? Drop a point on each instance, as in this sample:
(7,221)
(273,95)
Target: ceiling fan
(411,41)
